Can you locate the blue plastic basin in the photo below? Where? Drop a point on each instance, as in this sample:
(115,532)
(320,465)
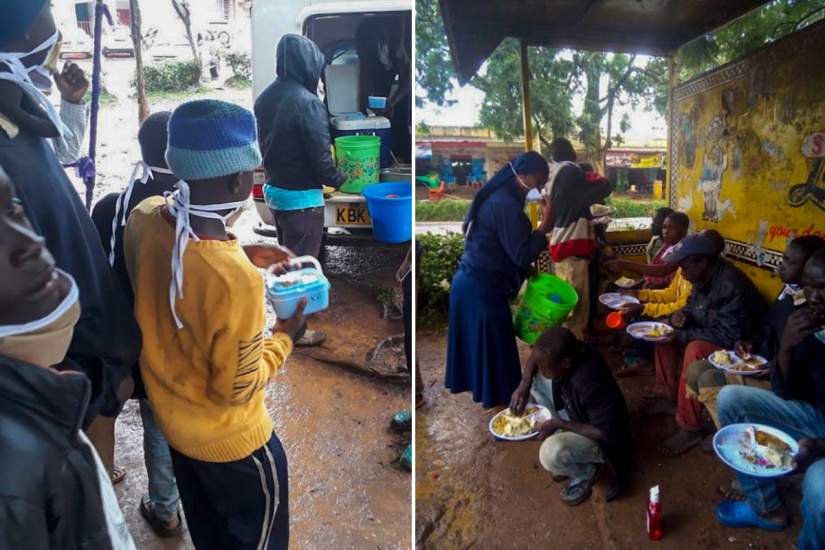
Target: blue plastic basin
(390,206)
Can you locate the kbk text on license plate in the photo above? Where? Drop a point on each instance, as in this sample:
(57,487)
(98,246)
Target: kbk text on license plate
(352,214)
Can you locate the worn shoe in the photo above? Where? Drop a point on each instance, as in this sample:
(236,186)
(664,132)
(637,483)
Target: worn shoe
(406,458)
(162,527)
(401,422)
(740,514)
(311,338)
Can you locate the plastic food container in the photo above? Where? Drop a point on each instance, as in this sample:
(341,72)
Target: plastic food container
(376,102)
(285,291)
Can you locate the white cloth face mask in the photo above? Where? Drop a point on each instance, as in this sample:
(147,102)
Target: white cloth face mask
(521,181)
(182,208)
(22,75)
(122,203)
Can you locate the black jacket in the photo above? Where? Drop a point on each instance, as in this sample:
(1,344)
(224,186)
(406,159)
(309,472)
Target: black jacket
(591,396)
(106,340)
(50,494)
(293,123)
(725,309)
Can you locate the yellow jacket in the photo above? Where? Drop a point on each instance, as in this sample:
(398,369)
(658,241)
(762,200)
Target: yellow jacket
(663,302)
(206,380)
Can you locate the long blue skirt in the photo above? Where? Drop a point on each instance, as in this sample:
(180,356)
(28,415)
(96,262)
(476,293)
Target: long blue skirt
(482,356)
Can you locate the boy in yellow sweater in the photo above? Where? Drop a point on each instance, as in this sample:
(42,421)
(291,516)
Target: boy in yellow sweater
(205,360)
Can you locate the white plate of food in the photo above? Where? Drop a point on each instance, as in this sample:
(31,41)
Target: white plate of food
(731,363)
(614,300)
(627,282)
(755,449)
(508,427)
(650,331)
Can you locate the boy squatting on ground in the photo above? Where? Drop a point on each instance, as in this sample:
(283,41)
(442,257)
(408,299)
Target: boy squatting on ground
(56,492)
(590,428)
(205,360)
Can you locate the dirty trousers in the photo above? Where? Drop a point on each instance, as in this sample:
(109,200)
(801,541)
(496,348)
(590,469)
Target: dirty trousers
(576,272)
(670,370)
(798,419)
(704,382)
(570,454)
(240,505)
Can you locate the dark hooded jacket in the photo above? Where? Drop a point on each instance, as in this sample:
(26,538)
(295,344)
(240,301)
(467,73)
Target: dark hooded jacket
(106,340)
(293,123)
(50,496)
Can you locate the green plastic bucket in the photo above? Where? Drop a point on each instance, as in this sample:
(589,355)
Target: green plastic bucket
(359,159)
(546,303)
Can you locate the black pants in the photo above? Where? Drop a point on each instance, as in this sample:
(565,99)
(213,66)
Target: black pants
(301,231)
(233,504)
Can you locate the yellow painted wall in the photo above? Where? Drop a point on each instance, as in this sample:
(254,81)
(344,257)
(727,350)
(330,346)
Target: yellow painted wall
(746,139)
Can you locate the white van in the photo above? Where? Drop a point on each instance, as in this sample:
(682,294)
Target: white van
(331,25)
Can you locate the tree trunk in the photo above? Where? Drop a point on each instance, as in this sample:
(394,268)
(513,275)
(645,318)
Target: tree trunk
(593,113)
(185,14)
(137,41)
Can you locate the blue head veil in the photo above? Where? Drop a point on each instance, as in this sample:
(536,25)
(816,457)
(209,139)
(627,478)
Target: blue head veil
(526,163)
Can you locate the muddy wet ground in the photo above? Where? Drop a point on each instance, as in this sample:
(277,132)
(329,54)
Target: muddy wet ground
(346,489)
(475,492)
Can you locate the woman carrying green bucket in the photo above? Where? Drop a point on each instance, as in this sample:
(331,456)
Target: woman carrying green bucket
(499,247)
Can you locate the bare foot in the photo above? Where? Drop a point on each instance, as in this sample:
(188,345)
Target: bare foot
(732,491)
(657,405)
(680,442)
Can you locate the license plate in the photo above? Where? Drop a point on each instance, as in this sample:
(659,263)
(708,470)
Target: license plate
(352,214)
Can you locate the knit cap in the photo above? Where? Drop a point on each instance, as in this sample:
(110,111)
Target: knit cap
(18,16)
(210,139)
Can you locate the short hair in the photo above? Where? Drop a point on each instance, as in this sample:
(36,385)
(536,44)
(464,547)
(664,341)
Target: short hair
(152,136)
(681,218)
(663,212)
(561,149)
(808,244)
(556,343)
(717,239)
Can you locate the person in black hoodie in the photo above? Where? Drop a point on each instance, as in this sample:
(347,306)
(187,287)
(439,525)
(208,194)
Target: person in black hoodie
(56,492)
(293,130)
(106,341)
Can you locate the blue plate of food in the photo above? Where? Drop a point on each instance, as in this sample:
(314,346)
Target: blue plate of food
(756,449)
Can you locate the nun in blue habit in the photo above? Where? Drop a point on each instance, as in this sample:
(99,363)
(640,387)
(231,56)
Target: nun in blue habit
(499,247)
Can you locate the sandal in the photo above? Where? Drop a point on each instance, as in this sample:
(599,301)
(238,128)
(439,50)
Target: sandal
(577,492)
(406,458)
(740,514)
(118,474)
(158,524)
(401,422)
(310,339)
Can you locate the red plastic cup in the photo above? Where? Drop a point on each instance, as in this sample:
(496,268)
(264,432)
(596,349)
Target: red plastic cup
(615,320)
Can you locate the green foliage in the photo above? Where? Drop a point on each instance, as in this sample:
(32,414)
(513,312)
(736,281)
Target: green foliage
(634,208)
(241,65)
(439,262)
(433,67)
(238,83)
(747,34)
(441,211)
(178,76)
(106,98)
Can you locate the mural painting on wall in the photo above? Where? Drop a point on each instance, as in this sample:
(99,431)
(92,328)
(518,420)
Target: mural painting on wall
(813,190)
(749,149)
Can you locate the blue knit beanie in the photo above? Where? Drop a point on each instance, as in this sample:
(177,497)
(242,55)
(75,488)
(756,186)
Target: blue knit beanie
(18,16)
(211,139)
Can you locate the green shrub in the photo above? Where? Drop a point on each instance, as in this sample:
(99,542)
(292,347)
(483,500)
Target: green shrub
(178,76)
(241,65)
(439,262)
(634,208)
(448,210)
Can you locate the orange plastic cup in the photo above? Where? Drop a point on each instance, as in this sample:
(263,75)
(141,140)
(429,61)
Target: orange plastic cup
(615,320)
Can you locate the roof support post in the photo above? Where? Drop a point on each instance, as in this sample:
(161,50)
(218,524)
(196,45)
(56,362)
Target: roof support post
(671,110)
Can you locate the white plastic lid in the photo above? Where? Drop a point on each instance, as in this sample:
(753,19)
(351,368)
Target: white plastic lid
(342,88)
(367,123)
(654,493)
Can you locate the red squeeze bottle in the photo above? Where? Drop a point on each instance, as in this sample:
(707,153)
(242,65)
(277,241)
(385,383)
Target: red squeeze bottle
(654,515)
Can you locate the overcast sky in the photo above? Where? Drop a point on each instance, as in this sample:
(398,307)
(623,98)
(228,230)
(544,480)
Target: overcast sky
(645,125)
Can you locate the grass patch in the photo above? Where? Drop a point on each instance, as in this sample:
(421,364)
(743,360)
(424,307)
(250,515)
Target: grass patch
(238,83)
(105,97)
(634,208)
(183,95)
(447,210)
